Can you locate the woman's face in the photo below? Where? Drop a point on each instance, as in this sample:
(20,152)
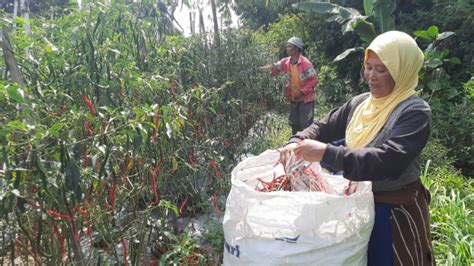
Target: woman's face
(377,76)
(291,50)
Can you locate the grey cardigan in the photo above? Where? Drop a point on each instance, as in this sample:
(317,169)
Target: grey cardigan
(392,159)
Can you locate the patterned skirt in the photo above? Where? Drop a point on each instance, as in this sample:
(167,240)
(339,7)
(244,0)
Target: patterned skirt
(401,234)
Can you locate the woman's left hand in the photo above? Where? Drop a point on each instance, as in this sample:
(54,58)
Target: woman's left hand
(310,150)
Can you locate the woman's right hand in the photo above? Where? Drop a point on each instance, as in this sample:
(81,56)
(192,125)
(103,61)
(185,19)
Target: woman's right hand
(286,152)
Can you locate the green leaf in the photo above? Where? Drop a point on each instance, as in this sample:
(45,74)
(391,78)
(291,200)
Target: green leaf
(19,20)
(55,129)
(334,18)
(422,34)
(348,13)
(347,52)
(15,94)
(212,110)
(39,133)
(365,30)
(434,85)
(444,35)
(434,63)
(368,7)
(48,49)
(16,125)
(452,93)
(433,31)
(168,205)
(383,14)
(3,98)
(174,164)
(318,7)
(455,61)
(443,53)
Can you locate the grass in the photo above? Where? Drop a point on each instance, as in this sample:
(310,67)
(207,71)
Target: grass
(271,132)
(452,220)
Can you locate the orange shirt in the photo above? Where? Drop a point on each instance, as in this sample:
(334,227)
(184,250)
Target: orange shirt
(295,80)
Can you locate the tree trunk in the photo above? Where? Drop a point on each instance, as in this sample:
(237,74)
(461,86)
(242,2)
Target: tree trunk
(191,23)
(16,4)
(10,59)
(202,28)
(216,23)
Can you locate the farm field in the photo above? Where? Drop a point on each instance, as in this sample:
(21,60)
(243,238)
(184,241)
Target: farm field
(119,133)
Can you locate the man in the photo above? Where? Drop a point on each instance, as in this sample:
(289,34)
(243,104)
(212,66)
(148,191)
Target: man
(300,85)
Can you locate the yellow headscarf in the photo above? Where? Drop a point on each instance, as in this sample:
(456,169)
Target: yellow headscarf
(403,59)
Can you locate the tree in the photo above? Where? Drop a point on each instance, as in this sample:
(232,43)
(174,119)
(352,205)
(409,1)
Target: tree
(378,19)
(216,23)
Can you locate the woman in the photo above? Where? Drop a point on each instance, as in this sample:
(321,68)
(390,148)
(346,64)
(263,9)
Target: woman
(384,131)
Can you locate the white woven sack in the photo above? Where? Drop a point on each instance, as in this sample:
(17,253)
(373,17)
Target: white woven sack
(294,228)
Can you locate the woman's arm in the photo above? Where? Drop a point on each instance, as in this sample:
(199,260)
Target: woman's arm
(331,128)
(387,161)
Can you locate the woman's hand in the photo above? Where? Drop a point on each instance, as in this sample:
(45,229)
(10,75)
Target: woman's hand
(286,152)
(310,150)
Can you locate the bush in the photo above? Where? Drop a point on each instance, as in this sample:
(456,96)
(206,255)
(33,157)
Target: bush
(437,154)
(453,126)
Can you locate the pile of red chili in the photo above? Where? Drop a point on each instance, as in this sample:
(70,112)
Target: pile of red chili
(300,176)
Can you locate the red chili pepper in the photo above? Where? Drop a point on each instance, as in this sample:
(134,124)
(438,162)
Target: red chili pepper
(85,159)
(112,196)
(88,127)
(35,229)
(215,203)
(89,232)
(124,244)
(157,125)
(153,183)
(191,158)
(83,210)
(215,169)
(181,207)
(350,189)
(59,215)
(226,143)
(89,104)
(35,250)
(18,243)
(199,130)
(152,262)
(157,119)
(75,236)
(172,88)
(277,183)
(60,238)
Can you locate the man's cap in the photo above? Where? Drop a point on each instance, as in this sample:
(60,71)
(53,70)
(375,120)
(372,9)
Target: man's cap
(296,42)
